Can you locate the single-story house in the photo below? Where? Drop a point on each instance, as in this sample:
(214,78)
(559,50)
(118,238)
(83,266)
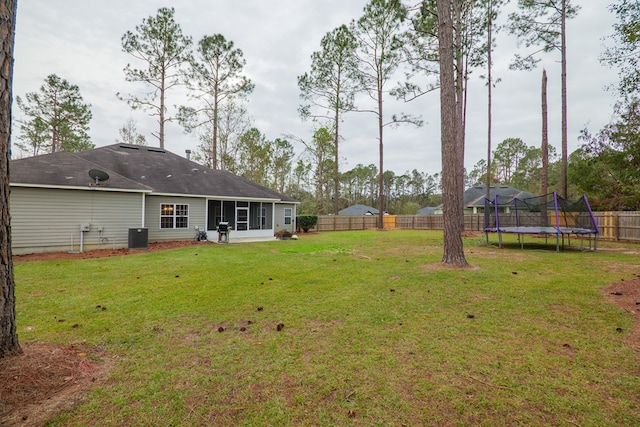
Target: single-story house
(429,210)
(359,210)
(473,198)
(109,196)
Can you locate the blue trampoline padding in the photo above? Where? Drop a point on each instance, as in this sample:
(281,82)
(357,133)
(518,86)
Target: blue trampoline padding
(541,230)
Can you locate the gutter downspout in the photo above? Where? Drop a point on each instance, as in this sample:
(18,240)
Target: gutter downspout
(143,208)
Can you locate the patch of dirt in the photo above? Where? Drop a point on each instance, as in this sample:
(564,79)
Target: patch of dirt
(471,234)
(102,253)
(625,294)
(442,266)
(47,379)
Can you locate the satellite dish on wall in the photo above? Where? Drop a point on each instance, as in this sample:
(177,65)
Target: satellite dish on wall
(98,176)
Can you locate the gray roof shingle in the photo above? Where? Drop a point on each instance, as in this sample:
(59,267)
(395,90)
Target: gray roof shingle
(138,167)
(359,210)
(475,196)
(64,169)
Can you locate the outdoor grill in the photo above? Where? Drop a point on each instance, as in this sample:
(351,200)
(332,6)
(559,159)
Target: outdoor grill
(223,232)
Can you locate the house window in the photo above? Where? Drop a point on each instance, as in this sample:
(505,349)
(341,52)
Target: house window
(174,216)
(288,214)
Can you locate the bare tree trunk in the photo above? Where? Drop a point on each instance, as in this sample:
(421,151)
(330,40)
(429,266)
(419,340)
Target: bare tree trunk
(336,169)
(545,151)
(451,132)
(54,140)
(564,100)
(161,113)
(381,176)
(8,336)
(545,136)
(489,93)
(214,142)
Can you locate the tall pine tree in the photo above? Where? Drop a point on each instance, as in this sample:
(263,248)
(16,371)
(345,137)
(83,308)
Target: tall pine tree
(8,336)
(57,119)
(163,50)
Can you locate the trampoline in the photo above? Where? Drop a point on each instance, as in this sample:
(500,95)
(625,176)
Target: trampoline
(546,215)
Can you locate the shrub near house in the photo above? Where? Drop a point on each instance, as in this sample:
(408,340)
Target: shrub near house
(307,222)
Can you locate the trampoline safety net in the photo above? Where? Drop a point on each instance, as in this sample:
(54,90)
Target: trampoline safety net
(546,214)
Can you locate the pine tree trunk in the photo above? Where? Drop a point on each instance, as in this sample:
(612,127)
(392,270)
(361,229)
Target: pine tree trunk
(451,132)
(161,112)
(545,136)
(460,79)
(565,154)
(8,336)
(545,151)
(336,166)
(214,141)
(381,154)
(489,94)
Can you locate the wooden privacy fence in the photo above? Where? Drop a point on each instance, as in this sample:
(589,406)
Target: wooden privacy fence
(346,223)
(622,226)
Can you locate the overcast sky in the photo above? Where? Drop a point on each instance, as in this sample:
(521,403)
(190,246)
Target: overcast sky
(80,41)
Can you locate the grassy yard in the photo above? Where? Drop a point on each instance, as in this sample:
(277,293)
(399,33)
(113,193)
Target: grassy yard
(375,333)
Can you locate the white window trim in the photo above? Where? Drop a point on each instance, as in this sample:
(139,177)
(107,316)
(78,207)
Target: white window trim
(174,217)
(290,216)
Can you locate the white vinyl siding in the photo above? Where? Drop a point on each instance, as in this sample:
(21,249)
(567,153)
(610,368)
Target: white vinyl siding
(285,217)
(44,220)
(49,219)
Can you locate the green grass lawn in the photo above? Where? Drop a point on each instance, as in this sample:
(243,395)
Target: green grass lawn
(376,333)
